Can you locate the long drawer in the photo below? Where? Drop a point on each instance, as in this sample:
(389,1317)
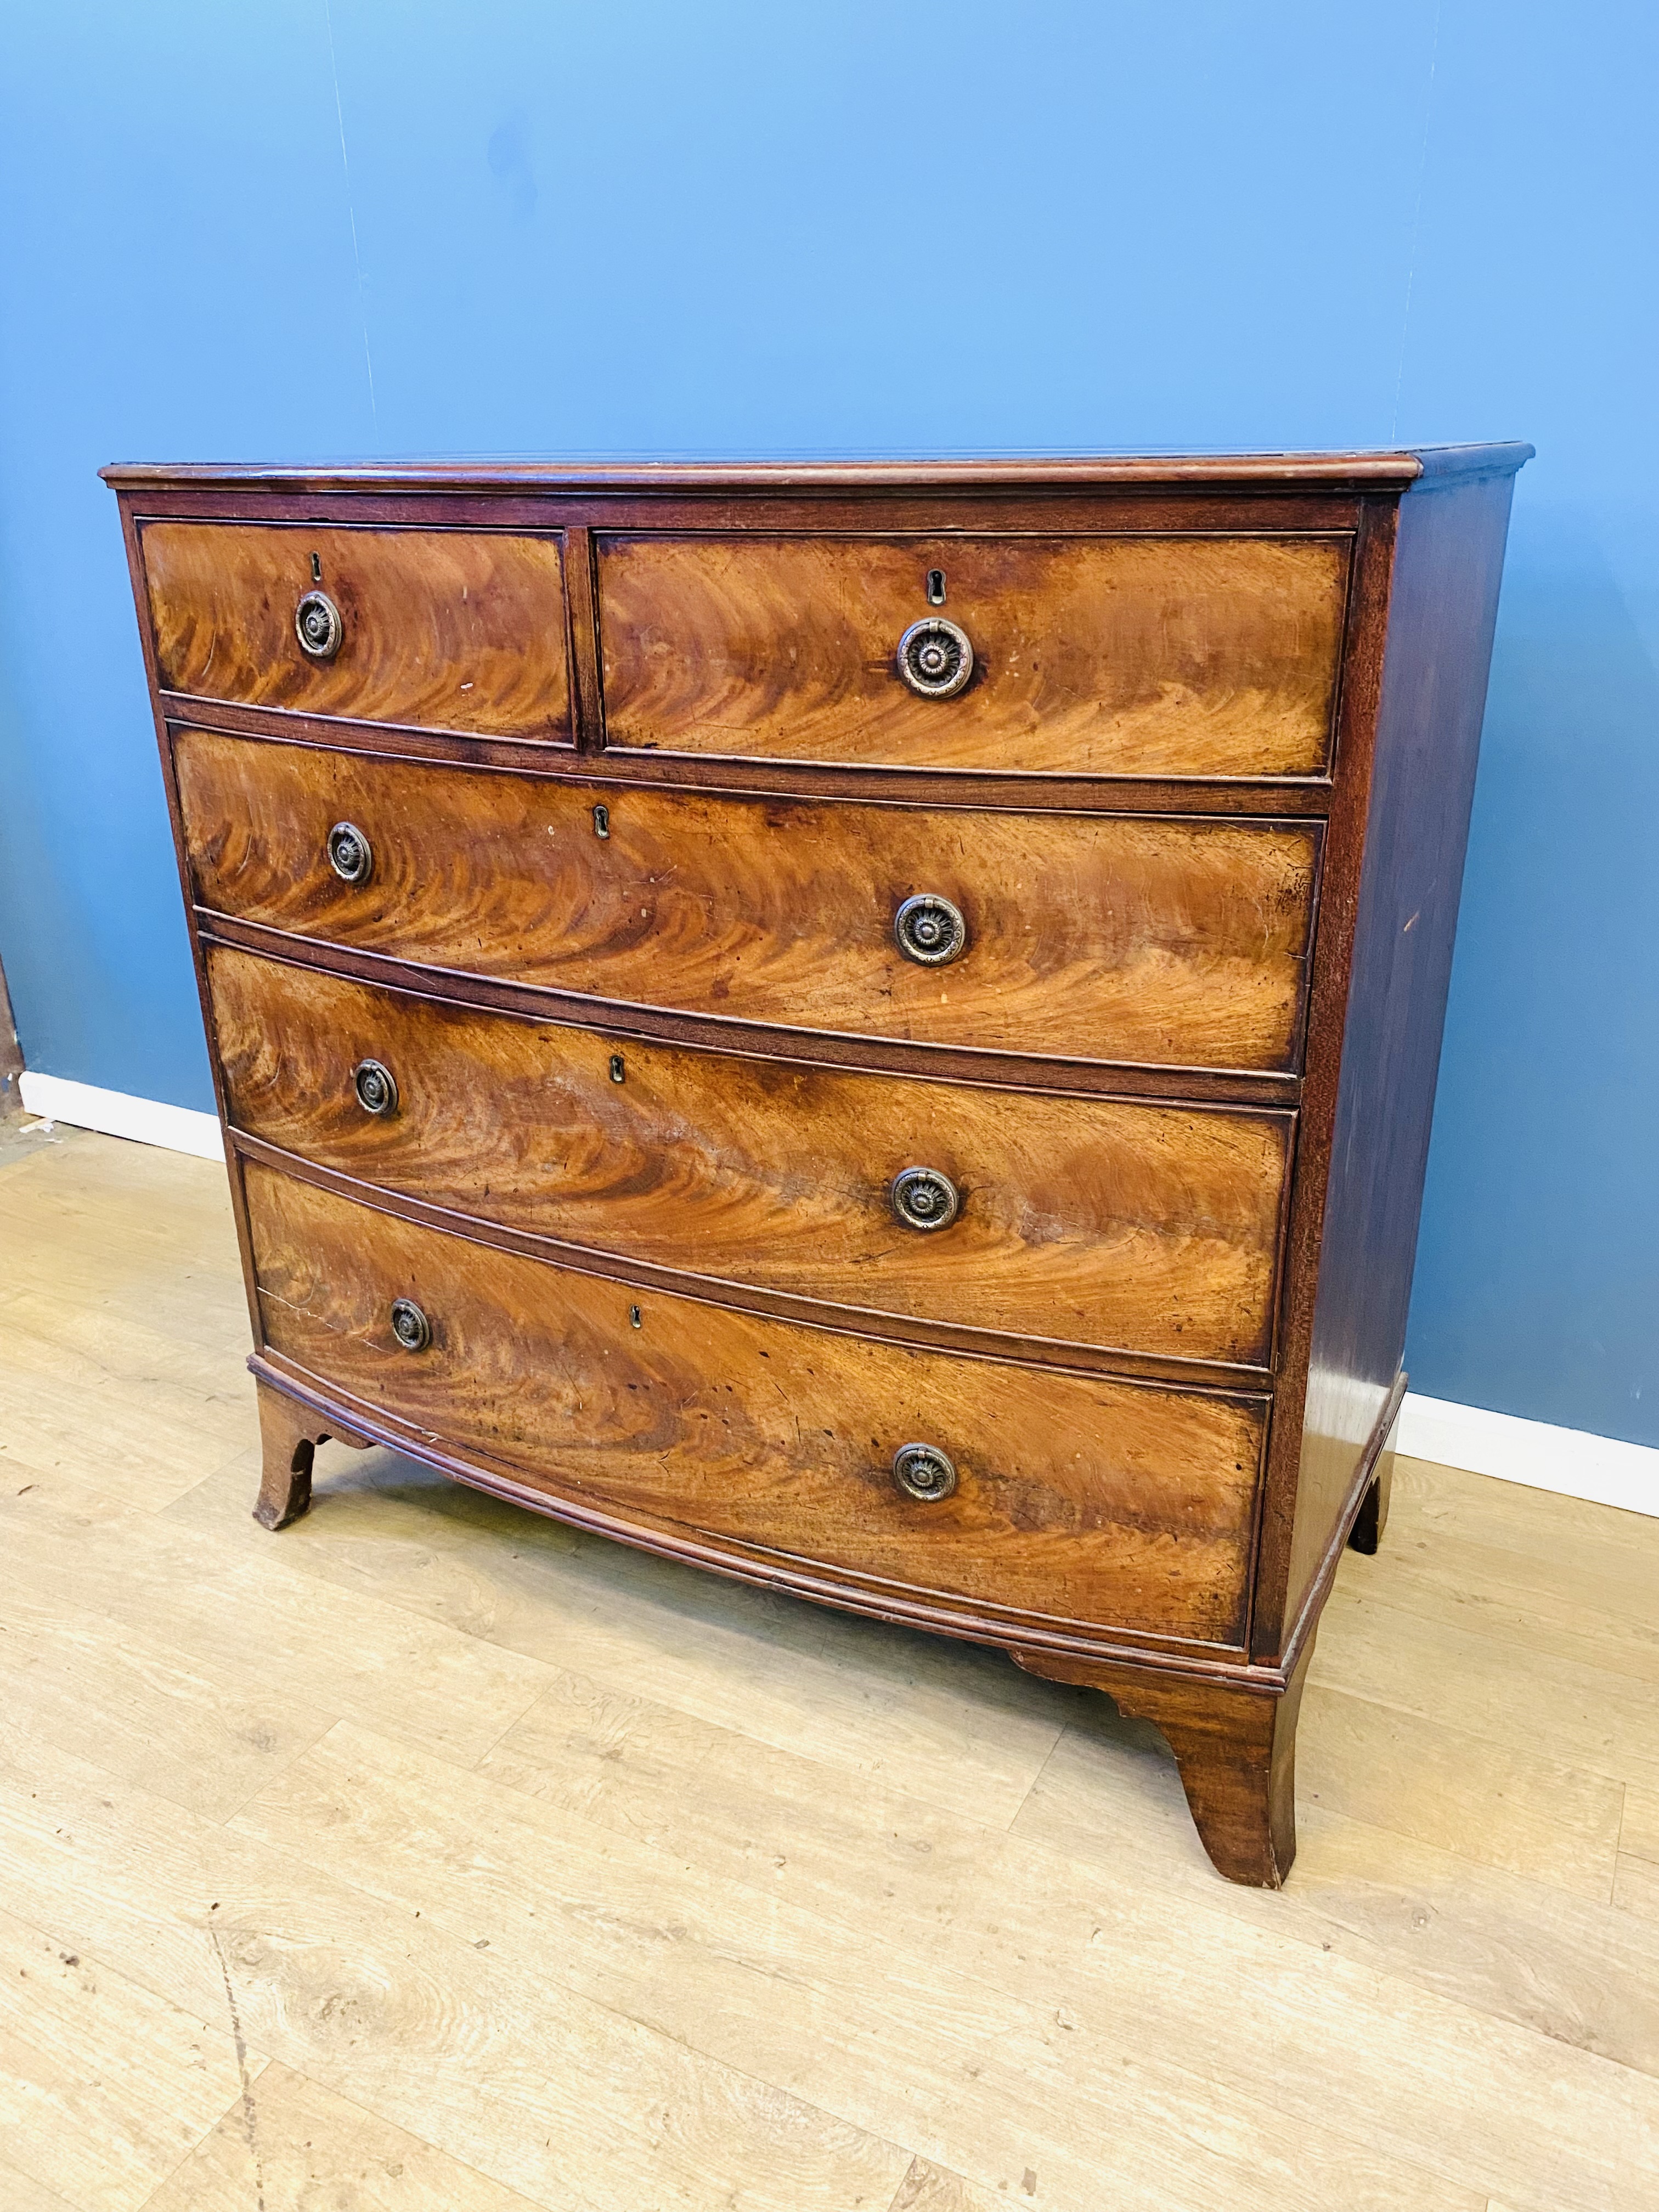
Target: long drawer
(1066,1497)
(1128,1225)
(1128,655)
(1166,941)
(454,630)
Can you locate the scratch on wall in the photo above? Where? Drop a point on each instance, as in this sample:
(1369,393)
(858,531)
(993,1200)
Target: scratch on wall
(1417,219)
(351,213)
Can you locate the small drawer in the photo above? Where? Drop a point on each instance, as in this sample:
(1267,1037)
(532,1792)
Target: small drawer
(1165,941)
(1131,655)
(446,629)
(1122,1225)
(1066,1497)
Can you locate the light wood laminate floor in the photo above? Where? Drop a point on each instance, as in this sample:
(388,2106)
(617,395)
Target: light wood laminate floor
(429,1858)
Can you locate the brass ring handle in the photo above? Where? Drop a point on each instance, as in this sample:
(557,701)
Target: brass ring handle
(410,1325)
(930,930)
(318,626)
(924,1198)
(935,657)
(350,853)
(924,1472)
(375,1086)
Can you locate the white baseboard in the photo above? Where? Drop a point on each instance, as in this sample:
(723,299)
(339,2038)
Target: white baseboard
(1543,1457)
(1570,1461)
(145,1121)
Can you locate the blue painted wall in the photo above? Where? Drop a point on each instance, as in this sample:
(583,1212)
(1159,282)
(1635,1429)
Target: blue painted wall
(290,229)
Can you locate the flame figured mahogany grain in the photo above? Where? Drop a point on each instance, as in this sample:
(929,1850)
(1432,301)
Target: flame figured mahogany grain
(451,629)
(1124,655)
(1114,1223)
(1078,1498)
(1167,941)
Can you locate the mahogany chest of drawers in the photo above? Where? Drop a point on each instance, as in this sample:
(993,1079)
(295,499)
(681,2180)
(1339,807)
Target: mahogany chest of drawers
(871,1028)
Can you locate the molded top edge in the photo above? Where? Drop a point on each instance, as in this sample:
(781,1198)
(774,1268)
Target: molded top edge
(1366,471)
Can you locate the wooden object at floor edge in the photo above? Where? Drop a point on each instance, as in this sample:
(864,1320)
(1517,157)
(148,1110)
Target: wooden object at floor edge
(11,1058)
(290,1433)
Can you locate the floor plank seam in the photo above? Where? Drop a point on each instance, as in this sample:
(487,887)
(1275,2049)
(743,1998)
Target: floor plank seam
(1619,1845)
(1260,2100)
(379,2119)
(905,2179)
(446,1935)
(614,1685)
(1387,1595)
(214,1475)
(1386,1598)
(1573,1758)
(1032,1787)
(226,1814)
(165,2184)
(472,1766)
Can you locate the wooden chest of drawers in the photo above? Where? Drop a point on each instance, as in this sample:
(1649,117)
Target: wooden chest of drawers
(871,1028)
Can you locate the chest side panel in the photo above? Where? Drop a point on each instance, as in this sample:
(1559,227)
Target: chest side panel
(1447,566)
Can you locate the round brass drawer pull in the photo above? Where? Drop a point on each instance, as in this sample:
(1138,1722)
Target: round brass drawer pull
(924,1472)
(935,657)
(410,1325)
(350,853)
(376,1087)
(922,1198)
(318,626)
(929,930)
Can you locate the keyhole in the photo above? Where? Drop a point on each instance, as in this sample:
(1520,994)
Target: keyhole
(316,568)
(936,588)
(618,1071)
(601,820)
(633,1320)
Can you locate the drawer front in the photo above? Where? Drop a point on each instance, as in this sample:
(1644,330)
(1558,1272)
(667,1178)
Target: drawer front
(1135,1226)
(446,628)
(1076,1498)
(1164,941)
(1091,656)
